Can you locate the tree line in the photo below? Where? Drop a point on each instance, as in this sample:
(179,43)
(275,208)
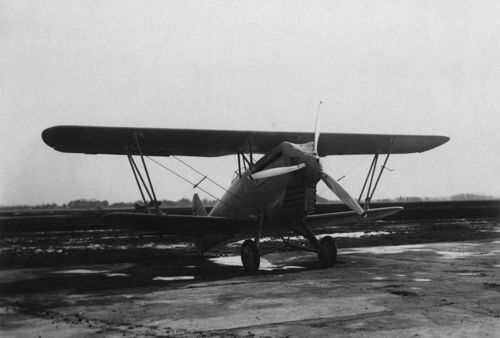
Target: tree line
(83,203)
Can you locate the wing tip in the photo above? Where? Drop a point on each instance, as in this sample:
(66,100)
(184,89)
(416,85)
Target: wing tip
(48,136)
(437,142)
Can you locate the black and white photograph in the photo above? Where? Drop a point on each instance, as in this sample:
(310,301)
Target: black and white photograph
(324,168)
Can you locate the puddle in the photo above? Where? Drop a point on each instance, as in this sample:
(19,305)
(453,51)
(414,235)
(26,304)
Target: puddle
(227,260)
(236,261)
(172,246)
(289,267)
(393,249)
(355,326)
(265,265)
(95,246)
(396,249)
(173,278)
(457,254)
(421,279)
(476,274)
(165,246)
(5,311)
(379,278)
(117,275)
(80,271)
(357,234)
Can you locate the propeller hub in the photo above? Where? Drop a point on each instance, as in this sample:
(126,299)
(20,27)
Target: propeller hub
(304,153)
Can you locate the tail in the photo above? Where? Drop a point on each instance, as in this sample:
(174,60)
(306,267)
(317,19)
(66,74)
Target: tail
(198,209)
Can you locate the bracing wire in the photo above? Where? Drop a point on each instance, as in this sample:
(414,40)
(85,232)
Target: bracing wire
(209,179)
(194,184)
(200,173)
(205,177)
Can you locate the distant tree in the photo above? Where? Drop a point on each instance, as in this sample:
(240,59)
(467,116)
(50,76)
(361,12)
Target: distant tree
(167,203)
(122,205)
(470,197)
(46,206)
(383,200)
(409,199)
(87,204)
(208,203)
(184,202)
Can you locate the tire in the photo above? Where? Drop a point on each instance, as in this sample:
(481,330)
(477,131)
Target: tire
(327,252)
(250,256)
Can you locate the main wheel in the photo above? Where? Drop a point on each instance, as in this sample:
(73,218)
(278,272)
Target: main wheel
(250,256)
(327,252)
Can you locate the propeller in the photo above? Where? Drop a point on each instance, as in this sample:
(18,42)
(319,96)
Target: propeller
(344,196)
(331,183)
(317,129)
(276,171)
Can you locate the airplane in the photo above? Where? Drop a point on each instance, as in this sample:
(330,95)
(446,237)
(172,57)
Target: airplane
(275,194)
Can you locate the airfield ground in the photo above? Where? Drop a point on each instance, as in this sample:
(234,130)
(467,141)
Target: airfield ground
(120,285)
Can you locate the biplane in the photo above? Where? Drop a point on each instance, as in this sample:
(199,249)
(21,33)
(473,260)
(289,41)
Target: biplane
(272,195)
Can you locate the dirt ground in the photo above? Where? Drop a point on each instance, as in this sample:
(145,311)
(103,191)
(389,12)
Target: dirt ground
(444,288)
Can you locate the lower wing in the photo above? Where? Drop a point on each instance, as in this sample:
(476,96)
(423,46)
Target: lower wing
(339,218)
(180,225)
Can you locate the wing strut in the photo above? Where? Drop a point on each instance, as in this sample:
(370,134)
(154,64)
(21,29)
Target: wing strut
(137,175)
(371,175)
(145,169)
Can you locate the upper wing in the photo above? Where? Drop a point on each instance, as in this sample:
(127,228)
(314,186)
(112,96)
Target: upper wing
(322,221)
(180,225)
(199,142)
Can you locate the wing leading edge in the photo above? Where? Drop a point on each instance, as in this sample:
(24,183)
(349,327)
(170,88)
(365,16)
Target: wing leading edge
(322,221)
(211,143)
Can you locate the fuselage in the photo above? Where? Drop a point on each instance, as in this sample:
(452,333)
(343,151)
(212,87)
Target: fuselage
(280,199)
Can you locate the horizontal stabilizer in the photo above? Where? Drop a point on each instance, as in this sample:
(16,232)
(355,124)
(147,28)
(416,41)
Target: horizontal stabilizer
(180,225)
(348,217)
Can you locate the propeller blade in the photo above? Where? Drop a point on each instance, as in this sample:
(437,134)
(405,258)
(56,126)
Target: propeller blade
(317,129)
(276,171)
(344,196)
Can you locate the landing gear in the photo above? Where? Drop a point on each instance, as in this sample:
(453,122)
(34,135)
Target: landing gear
(327,253)
(326,248)
(250,256)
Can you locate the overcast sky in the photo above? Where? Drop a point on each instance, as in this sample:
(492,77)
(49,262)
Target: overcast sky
(415,67)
